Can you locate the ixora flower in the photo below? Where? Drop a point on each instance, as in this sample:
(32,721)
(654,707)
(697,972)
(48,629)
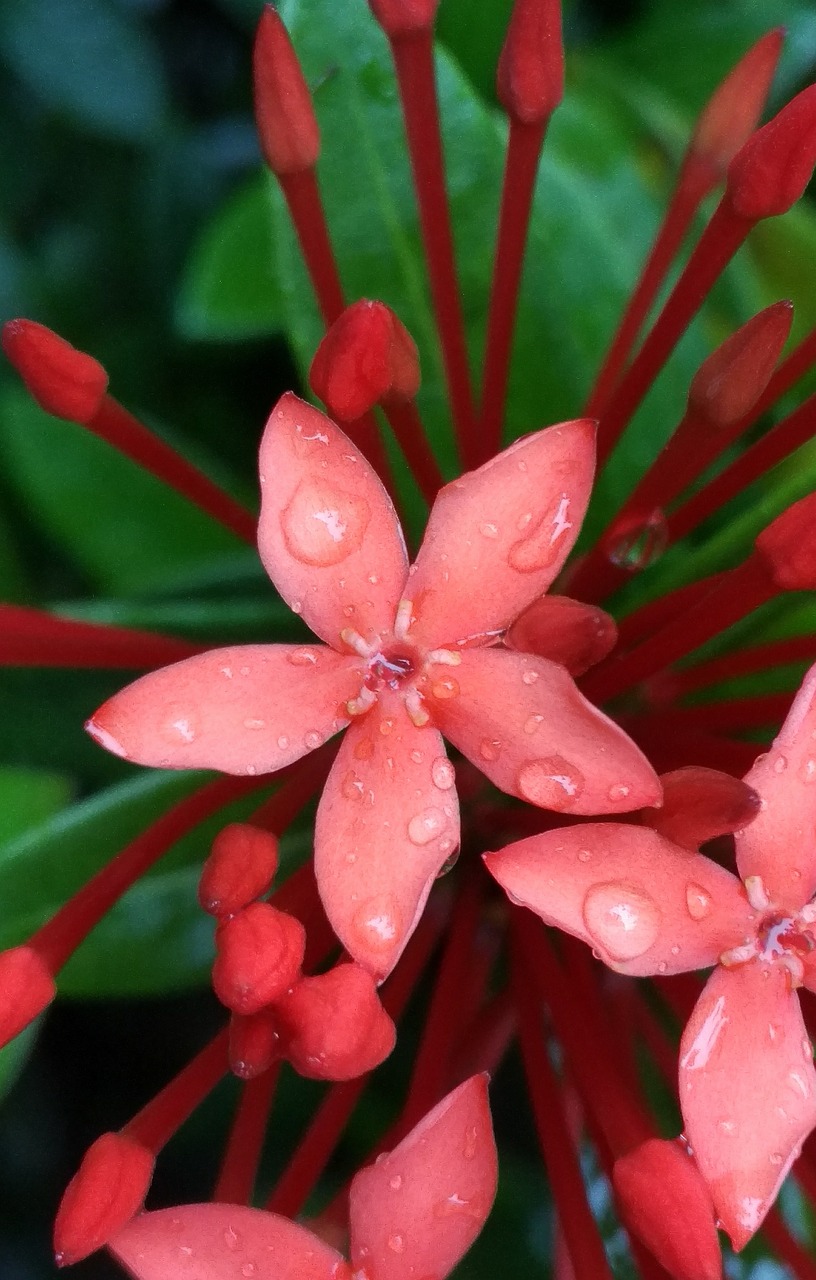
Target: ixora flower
(409,654)
(648,905)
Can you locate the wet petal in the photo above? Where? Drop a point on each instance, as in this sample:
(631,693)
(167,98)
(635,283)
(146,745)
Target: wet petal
(223,1242)
(417,1211)
(778,845)
(387,821)
(522,721)
(576,635)
(643,904)
(245,709)
(497,537)
(747,1089)
(328,533)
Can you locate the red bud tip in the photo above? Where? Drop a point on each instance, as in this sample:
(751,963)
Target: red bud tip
(260,952)
(26,988)
(664,1200)
(699,804)
(576,635)
(366,356)
(728,384)
(240,868)
(771,171)
(105,1193)
(404,17)
(734,109)
(788,546)
(530,80)
(254,1044)
(287,126)
(63,381)
(334,1027)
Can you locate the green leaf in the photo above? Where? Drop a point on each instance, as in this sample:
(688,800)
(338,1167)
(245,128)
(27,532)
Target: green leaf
(229,288)
(124,528)
(28,797)
(89,59)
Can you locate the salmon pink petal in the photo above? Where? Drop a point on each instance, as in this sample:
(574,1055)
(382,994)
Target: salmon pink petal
(246,709)
(417,1211)
(522,721)
(566,631)
(328,533)
(497,537)
(645,905)
(778,844)
(387,821)
(223,1242)
(747,1089)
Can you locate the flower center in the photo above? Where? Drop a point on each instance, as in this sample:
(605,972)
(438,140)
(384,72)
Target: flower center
(393,664)
(389,669)
(780,935)
(780,939)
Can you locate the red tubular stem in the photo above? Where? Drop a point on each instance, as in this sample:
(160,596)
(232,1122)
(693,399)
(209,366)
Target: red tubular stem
(60,936)
(34,638)
(404,420)
(114,424)
(239,1168)
(679,749)
(521,165)
(765,710)
(744,662)
(715,249)
(798,363)
(486,1039)
(156,1123)
(413,60)
(658,613)
(583,1239)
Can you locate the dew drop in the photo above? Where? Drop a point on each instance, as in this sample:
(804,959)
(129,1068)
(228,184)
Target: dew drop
(443,774)
(807,770)
(541,546)
(352,786)
(323,525)
(698,901)
(416,756)
(489,530)
(244,671)
(283,742)
(490,748)
(471,1142)
(302,658)
(395,1183)
(426,826)
(231,1238)
(780,764)
(450,862)
(313,739)
(641,544)
(529,677)
(584,855)
(296,606)
(445,688)
(364,749)
(396,1243)
(532,723)
(251,770)
(550,783)
(248,1269)
(179,726)
(776,1157)
(386,727)
(675,950)
(621,918)
(807,1050)
(663,967)
(377,923)
(254,724)
(618,793)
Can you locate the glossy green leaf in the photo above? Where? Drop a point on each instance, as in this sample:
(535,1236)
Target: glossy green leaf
(28,797)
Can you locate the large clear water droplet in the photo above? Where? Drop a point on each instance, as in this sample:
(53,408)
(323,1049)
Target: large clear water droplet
(550,783)
(641,544)
(622,919)
(698,901)
(323,525)
(426,826)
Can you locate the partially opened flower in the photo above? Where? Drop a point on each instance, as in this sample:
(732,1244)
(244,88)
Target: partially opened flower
(648,905)
(409,655)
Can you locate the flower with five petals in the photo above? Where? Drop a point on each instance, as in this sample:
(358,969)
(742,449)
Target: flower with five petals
(409,654)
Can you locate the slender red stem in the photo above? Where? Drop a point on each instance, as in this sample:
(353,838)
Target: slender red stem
(239,1168)
(413,60)
(114,424)
(673,751)
(404,420)
(763,657)
(658,613)
(733,716)
(156,1123)
(487,1038)
(34,638)
(521,165)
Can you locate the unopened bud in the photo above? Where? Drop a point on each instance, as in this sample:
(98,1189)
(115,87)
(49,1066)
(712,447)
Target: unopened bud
(664,1200)
(104,1194)
(576,635)
(260,952)
(771,171)
(404,17)
(788,546)
(530,81)
(734,109)
(254,1043)
(63,381)
(728,384)
(365,357)
(240,868)
(334,1026)
(699,804)
(287,125)
(26,988)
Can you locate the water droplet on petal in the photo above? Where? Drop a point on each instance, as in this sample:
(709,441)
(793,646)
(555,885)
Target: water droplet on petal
(489,530)
(179,726)
(550,783)
(807,770)
(313,739)
(541,546)
(532,723)
(231,1238)
(302,657)
(445,688)
(698,901)
(641,544)
(584,855)
(490,748)
(622,918)
(471,1142)
(807,1050)
(395,1183)
(618,793)
(364,749)
(283,742)
(416,756)
(352,786)
(322,524)
(529,677)
(377,923)
(426,826)
(252,723)
(396,1243)
(780,764)
(776,1157)
(443,773)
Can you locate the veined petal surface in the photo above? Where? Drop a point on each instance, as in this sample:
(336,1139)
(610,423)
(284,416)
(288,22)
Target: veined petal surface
(779,845)
(328,534)
(497,537)
(244,709)
(747,1090)
(387,821)
(643,904)
(522,721)
(223,1242)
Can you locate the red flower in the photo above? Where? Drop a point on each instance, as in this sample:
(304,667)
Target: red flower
(650,906)
(409,654)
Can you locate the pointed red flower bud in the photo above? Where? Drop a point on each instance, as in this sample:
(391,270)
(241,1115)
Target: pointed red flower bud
(366,356)
(734,109)
(728,384)
(104,1194)
(699,804)
(664,1200)
(403,17)
(788,546)
(63,381)
(260,952)
(771,171)
(26,988)
(240,868)
(287,125)
(254,1043)
(576,635)
(530,81)
(334,1026)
